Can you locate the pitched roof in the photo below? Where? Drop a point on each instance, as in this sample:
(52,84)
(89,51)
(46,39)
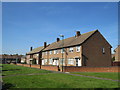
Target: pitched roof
(11,56)
(117,47)
(36,50)
(72,41)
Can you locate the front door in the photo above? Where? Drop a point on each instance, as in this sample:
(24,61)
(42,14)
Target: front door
(55,62)
(78,62)
(43,62)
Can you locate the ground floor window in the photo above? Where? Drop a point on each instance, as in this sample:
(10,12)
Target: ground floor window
(50,61)
(71,61)
(45,61)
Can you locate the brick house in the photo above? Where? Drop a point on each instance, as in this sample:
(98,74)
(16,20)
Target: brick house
(88,49)
(117,56)
(34,54)
(6,58)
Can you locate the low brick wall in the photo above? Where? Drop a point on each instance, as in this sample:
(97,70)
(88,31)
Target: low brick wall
(91,69)
(116,63)
(76,69)
(53,68)
(46,67)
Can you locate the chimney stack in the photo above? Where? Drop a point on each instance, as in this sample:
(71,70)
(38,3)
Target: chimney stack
(78,33)
(31,48)
(45,44)
(58,39)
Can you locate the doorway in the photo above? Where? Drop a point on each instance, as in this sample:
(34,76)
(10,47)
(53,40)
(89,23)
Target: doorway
(78,61)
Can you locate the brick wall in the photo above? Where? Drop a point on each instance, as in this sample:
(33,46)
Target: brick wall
(46,67)
(76,69)
(116,63)
(53,68)
(92,69)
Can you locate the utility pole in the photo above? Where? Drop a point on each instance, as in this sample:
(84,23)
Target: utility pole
(62,49)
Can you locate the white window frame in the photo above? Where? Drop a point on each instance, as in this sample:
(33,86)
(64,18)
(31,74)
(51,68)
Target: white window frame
(54,51)
(71,61)
(37,54)
(103,50)
(50,52)
(50,61)
(71,49)
(77,48)
(45,60)
(57,51)
(62,51)
(46,53)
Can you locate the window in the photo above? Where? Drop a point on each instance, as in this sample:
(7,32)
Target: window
(77,48)
(37,54)
(45,53)
(50,52)
(103,50)
(62,51)
(71,61)
(70,49)
(55,51)
(50,61)
(31,56)
(45,61)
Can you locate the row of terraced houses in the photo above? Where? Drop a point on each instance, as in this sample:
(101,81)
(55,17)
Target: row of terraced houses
(88,49)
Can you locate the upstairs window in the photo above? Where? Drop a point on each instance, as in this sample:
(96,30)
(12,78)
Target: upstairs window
(31,56)
(55,51)
(45,53)
(103,50)
(50,52)
(37,54)
(62,51)
(77,48)
(70,49)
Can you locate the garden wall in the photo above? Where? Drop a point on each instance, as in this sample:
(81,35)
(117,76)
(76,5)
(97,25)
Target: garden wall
(91,69)
(76,69)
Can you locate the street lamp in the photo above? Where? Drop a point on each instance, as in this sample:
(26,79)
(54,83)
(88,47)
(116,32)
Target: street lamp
(62,49)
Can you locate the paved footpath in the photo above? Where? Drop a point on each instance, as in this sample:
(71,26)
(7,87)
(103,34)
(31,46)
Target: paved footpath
(80,75)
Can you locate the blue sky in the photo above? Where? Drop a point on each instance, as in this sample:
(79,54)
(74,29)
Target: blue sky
(31,24)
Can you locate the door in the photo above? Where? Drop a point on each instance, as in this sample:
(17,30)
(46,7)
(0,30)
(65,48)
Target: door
(43,62)
(55,62)
(78,62)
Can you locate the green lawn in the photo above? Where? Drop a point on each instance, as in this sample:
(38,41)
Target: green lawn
(50,80)
(109,75)
(8,69)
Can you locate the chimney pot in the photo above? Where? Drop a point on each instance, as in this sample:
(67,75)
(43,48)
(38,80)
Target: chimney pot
(58,39)
(45,44)
(31,48)
(78,33)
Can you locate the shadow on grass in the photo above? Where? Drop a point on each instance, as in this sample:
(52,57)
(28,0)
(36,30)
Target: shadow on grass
(6,86)
(11,70)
